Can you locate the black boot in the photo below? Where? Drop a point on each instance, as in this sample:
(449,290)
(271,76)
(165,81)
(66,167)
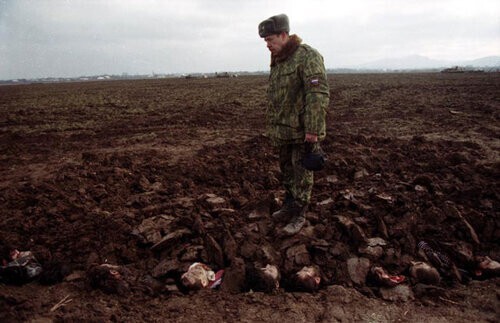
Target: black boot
(286,209)
(297,220)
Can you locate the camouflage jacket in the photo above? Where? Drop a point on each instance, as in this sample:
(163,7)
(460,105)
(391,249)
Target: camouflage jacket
(298,94)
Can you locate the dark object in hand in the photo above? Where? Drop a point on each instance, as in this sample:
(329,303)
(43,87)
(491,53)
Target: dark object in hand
(314,158)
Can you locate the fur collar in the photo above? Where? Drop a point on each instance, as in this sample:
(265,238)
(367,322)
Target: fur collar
(290,47)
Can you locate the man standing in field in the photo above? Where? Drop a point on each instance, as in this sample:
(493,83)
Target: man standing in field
(298,96)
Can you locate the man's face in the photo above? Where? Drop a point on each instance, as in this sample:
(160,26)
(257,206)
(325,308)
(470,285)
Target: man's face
(275,43)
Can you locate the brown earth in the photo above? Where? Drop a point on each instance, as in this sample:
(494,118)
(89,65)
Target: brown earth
(412,157)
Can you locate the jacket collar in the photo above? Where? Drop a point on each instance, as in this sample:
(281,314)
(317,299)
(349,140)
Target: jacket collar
(290,47)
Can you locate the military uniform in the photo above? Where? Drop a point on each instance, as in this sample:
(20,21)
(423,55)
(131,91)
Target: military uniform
(298,96)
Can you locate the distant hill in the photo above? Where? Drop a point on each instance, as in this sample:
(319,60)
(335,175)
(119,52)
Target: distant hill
(422,62)
(489,61)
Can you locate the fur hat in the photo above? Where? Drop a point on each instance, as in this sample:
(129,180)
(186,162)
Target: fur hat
(274,25)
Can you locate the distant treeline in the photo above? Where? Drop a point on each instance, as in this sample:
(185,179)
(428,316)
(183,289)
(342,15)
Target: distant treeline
(125,76)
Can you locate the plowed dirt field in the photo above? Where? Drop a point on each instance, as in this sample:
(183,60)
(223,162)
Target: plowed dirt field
(411,157)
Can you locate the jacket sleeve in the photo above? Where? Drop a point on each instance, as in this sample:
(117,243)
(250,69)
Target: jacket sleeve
(317,94)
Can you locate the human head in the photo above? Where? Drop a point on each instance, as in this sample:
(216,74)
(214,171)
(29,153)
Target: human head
(197,277)
(263,279)
(308,279)
(275,31)
(109,278)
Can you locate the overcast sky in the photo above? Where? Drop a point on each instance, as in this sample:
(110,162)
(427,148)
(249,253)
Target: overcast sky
(41,38)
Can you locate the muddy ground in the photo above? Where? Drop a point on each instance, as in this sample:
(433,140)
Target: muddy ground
(412,157)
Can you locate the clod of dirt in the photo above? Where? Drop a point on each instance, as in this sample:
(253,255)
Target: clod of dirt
(166,267)
(358,269)
(214,251)
(259,213)
(400,293)
(374,248)
(170,239)
(296,256)
(150,230)
(354,231)
(215,201)
(235,277)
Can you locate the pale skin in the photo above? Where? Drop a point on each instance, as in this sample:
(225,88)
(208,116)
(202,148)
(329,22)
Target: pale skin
(275,44)
(307,272)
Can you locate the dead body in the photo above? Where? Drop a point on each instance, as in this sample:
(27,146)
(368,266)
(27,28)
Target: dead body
(111,279)
(19,267)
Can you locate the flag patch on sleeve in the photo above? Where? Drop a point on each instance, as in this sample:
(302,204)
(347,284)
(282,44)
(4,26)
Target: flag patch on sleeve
(315,81)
